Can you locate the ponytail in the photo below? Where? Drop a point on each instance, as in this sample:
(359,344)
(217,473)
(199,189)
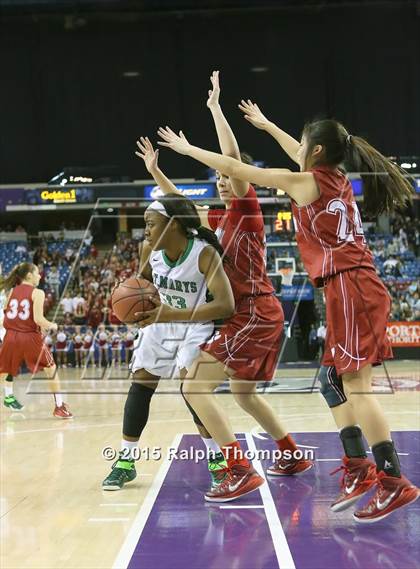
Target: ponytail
(16,276)
(210,237)
(385,188)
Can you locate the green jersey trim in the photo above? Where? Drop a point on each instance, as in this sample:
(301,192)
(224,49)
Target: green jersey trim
(182,258)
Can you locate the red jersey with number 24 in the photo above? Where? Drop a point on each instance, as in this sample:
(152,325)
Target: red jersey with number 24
(240,230)
(329,231)
(19,312)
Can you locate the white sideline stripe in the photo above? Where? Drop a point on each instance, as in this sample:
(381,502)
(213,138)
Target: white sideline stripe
(126,552)
(86,426)
(108,520)
(281,547)
(238,507)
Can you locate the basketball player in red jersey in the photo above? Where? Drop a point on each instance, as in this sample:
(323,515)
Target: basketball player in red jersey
(246,348)
(333,249)
(24,320)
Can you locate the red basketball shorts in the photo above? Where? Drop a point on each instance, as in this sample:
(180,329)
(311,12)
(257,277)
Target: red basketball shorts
(28,347)
(358,307)
(249,342)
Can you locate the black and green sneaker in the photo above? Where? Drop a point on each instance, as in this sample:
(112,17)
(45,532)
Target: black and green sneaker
(122,471)
(11,402)
(218,469)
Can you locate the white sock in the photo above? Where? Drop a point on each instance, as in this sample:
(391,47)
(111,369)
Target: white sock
(58,399)
(8,389)
(128,446)
(212,447)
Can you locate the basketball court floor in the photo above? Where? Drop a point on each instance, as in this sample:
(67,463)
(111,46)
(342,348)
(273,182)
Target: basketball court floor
(55,514)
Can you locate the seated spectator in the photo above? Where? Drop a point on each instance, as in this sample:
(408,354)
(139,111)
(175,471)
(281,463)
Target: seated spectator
(95,316)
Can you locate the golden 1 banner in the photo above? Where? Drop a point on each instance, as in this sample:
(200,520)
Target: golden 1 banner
(404,334)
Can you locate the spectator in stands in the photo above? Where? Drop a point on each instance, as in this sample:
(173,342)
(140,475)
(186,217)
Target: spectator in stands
(21,248)
(77,299)
(66,304)
(53,280)
(95,316)
(392,267)
(69,253)
(93,251)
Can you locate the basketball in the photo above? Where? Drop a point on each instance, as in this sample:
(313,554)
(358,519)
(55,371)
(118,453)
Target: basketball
(131,296)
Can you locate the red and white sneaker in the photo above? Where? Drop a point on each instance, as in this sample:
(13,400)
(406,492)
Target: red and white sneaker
(62,412)
(284,467)
(239,481)
(391,493)
(358,477)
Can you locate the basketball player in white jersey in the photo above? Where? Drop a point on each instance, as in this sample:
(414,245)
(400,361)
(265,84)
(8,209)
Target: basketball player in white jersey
(182,259)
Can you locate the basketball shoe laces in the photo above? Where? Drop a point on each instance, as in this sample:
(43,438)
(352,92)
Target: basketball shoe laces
(347,476)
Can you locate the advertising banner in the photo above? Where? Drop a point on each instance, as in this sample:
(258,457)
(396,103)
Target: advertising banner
(404,334)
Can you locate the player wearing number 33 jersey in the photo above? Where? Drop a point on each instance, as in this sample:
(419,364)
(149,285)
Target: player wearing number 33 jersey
(165,348)
(23,340)
(330,237)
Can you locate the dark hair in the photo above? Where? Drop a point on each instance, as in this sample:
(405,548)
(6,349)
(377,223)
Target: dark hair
(183,210)
(246,158)
(385,188)
(16,275)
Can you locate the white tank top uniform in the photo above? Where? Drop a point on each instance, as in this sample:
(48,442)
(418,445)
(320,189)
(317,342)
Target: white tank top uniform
(163,348)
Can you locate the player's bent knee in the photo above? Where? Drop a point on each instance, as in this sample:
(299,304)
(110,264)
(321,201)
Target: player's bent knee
(331,386)
(246,401)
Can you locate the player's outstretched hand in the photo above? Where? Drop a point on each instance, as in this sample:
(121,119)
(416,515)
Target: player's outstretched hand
(214,93)
(147,153)
(161,313)
(253,114)
(176,142)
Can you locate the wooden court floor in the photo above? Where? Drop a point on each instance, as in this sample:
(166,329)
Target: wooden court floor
(53,511)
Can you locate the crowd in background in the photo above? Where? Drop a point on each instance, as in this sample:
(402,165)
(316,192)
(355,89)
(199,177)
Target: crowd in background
(84,308)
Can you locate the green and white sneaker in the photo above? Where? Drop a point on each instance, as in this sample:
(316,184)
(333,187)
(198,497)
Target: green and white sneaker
(11,402)
(218,469)
(122,471)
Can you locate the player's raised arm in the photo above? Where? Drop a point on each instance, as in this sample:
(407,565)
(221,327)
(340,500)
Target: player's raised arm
(227,141)
(300,186)
(38,297)
(150,156)
(253,114)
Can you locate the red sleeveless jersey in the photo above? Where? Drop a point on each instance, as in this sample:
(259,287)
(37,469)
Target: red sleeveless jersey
(19,313)
(329,231)
(240,230)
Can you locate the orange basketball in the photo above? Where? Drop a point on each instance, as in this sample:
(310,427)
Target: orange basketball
(131,296)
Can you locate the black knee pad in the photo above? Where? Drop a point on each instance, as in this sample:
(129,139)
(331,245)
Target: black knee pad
(136,409)
(9,377)
(191,410)
(331,386)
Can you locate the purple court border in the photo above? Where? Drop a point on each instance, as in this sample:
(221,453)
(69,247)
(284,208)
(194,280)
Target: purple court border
(176,529)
